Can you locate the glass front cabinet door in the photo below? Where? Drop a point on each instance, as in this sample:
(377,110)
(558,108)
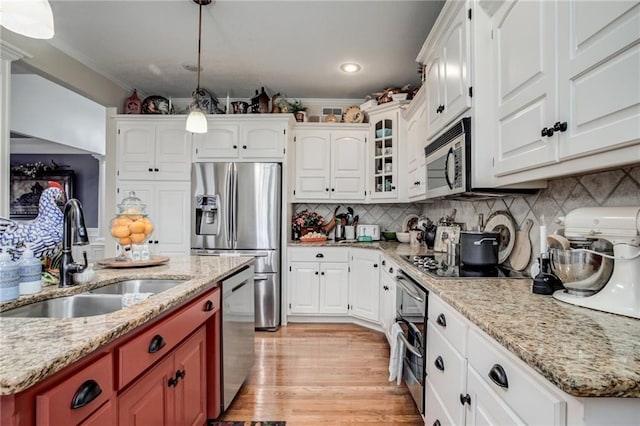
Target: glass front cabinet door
(384,154)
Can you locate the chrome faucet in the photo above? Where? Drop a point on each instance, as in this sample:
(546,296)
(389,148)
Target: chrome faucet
(73,221)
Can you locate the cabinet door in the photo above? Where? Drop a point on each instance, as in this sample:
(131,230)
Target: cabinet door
(172,219)
(348,165)
(150,400)
(417,137)
(384,152)
(334,288)
(487,408)
(364,293)
(455,60)
(104,416)
(262,140)
(387,304)
(435,98)
(220,142)
(598,75)
(191,391)
(313,159)
(173,152)
(136,151)
(524,35)
(304,288)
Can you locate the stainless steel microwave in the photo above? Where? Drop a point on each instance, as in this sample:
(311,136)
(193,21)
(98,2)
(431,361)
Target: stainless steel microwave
(447,161)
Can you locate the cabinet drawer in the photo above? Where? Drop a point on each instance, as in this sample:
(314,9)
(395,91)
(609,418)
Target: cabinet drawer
(527,395)
(144,350)
(88,390)
(449,322)
(435,413)
(318,254)
(105,416)
(446,371)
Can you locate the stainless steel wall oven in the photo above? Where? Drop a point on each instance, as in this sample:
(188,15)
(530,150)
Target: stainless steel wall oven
(411,315)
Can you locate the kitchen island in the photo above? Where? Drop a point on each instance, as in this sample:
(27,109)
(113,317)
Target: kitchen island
(587,354)
(35,349)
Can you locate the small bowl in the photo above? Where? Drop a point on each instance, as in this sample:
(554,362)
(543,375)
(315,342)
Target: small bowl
(389,235)
(399,96)
(403,237)
(581,272)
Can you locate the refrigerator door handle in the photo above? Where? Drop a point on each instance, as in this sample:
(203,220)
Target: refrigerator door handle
(260,277)
(229,207)
(234,204)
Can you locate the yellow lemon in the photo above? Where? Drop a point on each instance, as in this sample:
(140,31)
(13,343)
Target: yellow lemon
(148,228)
(120,231)
(137,227)
(124,241)
(137,238)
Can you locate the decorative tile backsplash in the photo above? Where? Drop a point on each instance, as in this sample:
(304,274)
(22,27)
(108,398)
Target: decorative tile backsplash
(618,187)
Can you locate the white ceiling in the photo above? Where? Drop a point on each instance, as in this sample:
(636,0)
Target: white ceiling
(291,47)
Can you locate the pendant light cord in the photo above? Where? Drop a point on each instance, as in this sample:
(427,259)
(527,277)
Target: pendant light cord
(199,43)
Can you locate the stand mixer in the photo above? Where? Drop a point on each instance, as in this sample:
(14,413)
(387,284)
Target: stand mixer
(621,227)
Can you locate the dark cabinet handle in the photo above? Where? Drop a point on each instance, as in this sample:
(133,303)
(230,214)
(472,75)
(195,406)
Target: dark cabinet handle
(244,147)
(391,270)
(465,399)
(150,169)
(156,242)
(499,376)
(384,262)
(208,306)
(319,255)
(172,382)
(156,344)
(441,320)
(439,363)
(87,392)
(180,374)
(560,127)
(385,287)
(316,272)
(436,423)
(375,265)
(156,170)
(548,132)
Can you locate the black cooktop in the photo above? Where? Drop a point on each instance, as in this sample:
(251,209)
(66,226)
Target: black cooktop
(440,265)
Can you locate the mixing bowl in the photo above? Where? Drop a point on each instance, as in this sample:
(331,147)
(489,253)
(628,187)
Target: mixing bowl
(389,235)
(403,237)
(581,272)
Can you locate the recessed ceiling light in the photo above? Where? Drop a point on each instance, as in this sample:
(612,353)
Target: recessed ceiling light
(350,67)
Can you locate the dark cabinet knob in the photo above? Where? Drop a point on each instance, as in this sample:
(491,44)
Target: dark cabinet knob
(156,170)
(465,399)
(172,382)
(180,374)
(375,265)
(439,363)
(384,262)
(156,242)
(333,189)
(499,376)
(560,127)
(235,147)
(157,343)
(208,306)
(385,287)
(326,189)
(87,392)
(244,147)
(391,270)
(316,272)
(441,320)
(548,132)
(150,169)
(322,273)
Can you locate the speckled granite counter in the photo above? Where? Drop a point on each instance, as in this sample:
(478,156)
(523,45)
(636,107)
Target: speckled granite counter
(585,353)
(32,349)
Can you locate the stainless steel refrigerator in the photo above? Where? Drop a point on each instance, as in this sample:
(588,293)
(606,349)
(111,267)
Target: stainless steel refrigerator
(236,211)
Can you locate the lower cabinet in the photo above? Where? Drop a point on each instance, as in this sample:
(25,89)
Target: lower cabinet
(364,293)
(387,296)
(172,392)
(318,281)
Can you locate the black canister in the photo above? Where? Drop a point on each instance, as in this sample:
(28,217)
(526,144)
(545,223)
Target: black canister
(479,248)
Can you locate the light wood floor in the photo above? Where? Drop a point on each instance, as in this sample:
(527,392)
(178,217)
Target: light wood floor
(323,374)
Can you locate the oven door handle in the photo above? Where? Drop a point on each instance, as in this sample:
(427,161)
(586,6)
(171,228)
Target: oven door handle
(409,291)
(409,346)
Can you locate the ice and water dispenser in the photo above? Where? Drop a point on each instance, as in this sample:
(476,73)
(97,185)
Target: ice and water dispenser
(207,215)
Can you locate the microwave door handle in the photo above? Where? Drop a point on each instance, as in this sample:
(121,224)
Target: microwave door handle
(415,296)
(446,167)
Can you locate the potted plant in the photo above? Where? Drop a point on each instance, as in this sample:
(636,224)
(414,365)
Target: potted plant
(299,110)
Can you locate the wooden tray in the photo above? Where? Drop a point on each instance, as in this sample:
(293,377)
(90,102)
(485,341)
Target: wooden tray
(112,263)
(313,240)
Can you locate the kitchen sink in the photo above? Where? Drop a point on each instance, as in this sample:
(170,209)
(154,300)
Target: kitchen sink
(79,305)
(137,286)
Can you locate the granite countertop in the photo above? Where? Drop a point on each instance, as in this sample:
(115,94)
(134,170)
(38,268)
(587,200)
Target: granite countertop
(585,353)
(32,349)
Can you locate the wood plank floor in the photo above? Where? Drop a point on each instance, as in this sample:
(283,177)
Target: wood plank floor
(323,374)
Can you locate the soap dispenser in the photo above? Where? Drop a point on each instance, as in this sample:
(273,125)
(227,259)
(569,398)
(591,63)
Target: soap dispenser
(9,277)
(30,272)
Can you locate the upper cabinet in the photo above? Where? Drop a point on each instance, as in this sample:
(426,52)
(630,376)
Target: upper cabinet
(567,85)
(153,150)
(446,59)
(330,163)
(416,135)
(247,138)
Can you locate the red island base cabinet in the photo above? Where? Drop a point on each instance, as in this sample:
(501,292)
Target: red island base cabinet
(177,383)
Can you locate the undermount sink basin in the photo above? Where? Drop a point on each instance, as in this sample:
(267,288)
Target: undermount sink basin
(137,286)
(78,305)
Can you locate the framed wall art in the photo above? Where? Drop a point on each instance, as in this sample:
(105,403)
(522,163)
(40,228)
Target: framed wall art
(25,191)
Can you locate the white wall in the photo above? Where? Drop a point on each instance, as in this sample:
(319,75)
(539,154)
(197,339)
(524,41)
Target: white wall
(45,110)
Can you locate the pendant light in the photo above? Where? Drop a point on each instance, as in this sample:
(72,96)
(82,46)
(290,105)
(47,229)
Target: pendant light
(30,18)
(197,120)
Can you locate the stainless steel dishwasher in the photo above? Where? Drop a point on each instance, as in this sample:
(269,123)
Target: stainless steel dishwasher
(238,332)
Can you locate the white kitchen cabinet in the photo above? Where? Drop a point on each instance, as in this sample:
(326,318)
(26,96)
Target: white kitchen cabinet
(364,293)
(247,139)
(447,74)
(384,151)
(387,296)
(416,133)
(486,408)
(153,149)
(567,85)
(168,206)
(318,281)
(330,164)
